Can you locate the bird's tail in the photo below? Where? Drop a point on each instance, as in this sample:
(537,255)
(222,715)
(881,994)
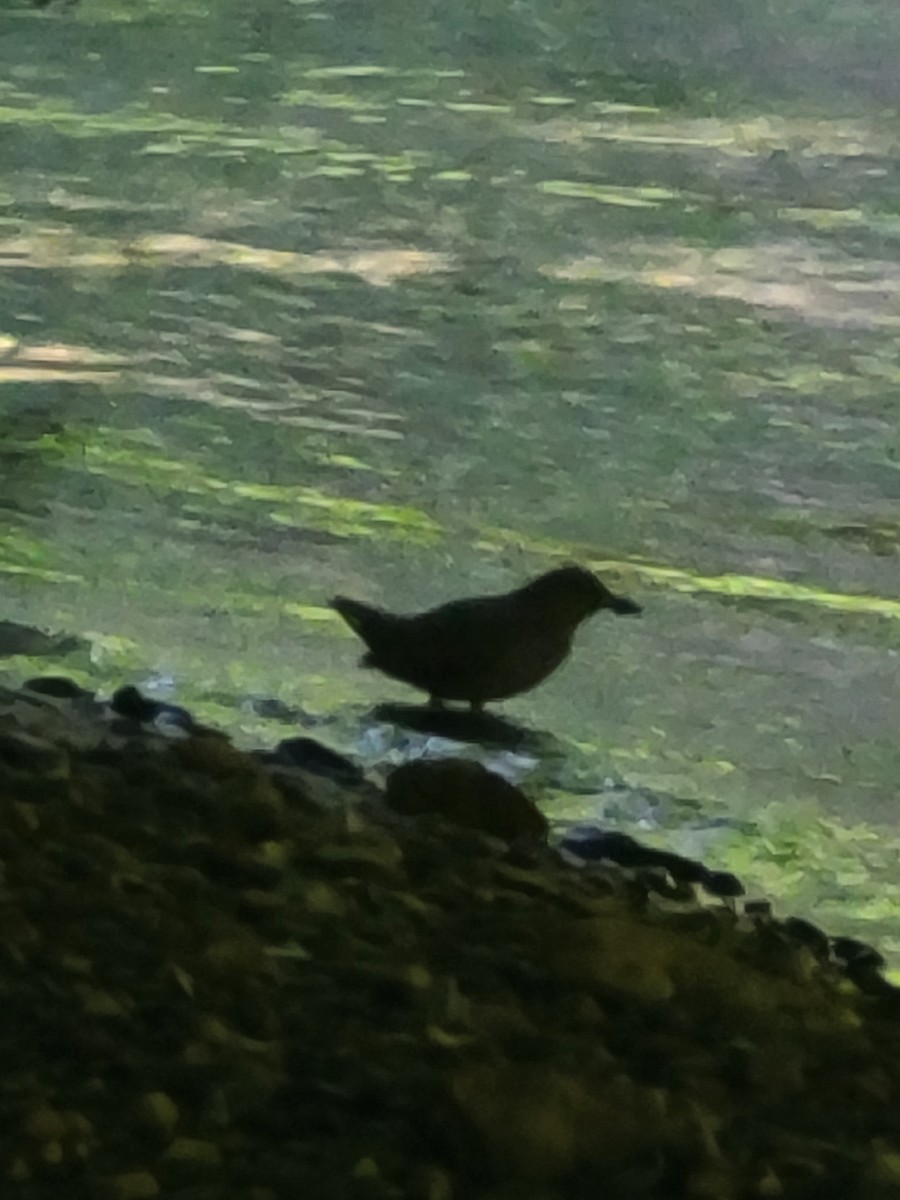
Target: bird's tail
(366,621)
(362,618)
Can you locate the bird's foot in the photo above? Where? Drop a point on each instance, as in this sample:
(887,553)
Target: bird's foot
(436,703)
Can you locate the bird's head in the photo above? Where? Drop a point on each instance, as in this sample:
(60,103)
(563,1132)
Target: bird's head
(576,593)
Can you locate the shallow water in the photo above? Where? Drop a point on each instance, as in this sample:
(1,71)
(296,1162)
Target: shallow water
(302,302)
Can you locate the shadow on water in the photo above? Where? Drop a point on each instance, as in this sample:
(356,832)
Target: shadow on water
(482,729)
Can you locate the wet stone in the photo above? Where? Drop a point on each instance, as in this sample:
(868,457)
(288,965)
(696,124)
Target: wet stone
(311,755)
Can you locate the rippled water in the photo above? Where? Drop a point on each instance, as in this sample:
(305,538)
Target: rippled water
(301,302)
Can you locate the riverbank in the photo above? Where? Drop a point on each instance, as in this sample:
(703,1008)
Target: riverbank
(232,978)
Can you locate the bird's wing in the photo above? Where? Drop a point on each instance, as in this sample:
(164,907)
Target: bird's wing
(460,648)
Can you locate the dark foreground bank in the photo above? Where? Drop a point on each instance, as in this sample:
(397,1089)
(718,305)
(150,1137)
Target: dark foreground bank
(225,978)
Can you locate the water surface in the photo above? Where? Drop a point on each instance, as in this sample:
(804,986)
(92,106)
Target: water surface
(316,299)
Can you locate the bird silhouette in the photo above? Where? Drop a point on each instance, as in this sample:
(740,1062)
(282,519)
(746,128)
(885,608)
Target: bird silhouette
(484,647)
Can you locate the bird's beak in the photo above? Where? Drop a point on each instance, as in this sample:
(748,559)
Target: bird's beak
(623,607)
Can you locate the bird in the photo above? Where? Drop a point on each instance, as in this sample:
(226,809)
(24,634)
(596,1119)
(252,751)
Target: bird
(483,648)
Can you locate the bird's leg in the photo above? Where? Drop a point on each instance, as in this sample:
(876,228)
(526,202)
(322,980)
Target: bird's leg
(476,706)
(436,702)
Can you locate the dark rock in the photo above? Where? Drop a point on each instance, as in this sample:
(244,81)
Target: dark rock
(856,954)
(661,882)
(723,883)
(466,793)
(685,870)
(128,702)
(169,719)
(57,686)
(594,845)
(591,844)
(808,935)
(312,756)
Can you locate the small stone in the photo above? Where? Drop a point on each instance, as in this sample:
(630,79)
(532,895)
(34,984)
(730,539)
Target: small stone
(273,856)
(159,1109)
(19,1171)
(323,898)
(96,1002)
(855,953)
(77,964)
(384,854)
(723,883)
(46,1124)
(809,935)
(52,1153)
(310,754)
(128,702)
(419,977)
(434,1184)
(446,1039)
(132,1185)
(240,954)
(213,1029)
(769,1186)
(194,1152)
(79,1126)
(28,815)
(366,1168)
